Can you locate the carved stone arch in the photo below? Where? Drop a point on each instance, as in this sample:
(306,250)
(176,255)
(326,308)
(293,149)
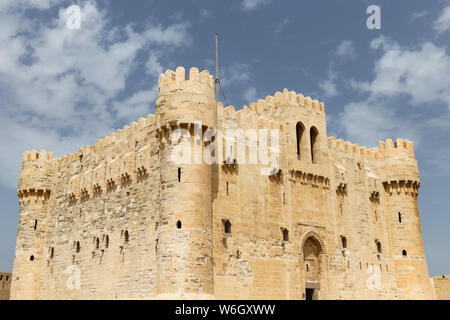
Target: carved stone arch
(317,237)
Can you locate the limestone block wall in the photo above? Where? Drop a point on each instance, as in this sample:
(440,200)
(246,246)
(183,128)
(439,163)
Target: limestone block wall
(441,286)
(5,285)
(123,220)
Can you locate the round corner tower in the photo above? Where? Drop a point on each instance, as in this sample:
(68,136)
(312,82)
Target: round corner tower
(34,191)
(401,184)
(184,243)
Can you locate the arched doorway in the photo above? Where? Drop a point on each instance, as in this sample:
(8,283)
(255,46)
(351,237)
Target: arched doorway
(311,255)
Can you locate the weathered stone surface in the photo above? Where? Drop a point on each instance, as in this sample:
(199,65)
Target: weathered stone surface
(5,285)
(135,225)
(441,286)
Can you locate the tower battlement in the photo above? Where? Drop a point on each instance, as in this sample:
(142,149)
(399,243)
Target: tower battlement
(35,176)
(173,80)
(34,155)
(386,149)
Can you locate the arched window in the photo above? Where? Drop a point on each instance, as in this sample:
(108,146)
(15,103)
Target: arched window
(404,253)
(399,217)
(126,236)
(227,227)
(313,134)
(285,234)
(378,246)
(78,246)
(344,242)
(299,129)
(178,224)
(31,258)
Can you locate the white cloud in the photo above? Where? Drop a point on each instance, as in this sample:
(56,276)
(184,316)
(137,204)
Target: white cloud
(249,5)
(60,88)
(442,24)
(205,14)
(423,75)
(235,73)
(419,15)
(153,65)
(329,86)
(346,48)
(281,25)
(371,120)
(419,76)
(137,105)
(250,95)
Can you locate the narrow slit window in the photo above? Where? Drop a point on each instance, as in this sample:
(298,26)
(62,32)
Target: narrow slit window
(35,224)
(285,234)
(344,242)
(378,246)
(179,174)
(78,247)
(227,190)
(227,227)
(107,242)
(399,217)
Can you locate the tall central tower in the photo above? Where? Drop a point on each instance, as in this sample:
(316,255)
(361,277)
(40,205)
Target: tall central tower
(184,243)
(401,184)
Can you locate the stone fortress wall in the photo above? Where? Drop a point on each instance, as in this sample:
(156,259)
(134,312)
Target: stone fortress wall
(441,286)
(5,285)
(121,220)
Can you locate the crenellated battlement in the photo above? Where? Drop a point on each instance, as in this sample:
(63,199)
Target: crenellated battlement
(269,108)
(34,155)
(390,148)
(196,80)
(386,149)
(35,176)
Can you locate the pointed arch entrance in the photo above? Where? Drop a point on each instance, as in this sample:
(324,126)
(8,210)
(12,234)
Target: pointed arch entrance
(312,249)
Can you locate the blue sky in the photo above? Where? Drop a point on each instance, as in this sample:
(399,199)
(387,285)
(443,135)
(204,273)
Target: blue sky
(62,89)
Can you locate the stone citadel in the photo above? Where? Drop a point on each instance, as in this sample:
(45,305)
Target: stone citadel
(121,220)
